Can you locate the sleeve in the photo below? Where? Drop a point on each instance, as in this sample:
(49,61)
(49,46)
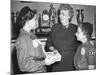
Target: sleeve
(50,38)
(91,56)
(79,62)
(75,60)
(24,60)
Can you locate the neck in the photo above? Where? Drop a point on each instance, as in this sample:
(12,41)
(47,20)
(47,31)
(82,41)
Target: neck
(66,24)
(26,28)
(84,40)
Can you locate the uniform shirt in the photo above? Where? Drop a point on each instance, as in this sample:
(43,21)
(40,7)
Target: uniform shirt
(62,38)
(30,58)
(85,55)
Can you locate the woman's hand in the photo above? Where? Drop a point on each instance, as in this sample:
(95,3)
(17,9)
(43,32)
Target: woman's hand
(49,61)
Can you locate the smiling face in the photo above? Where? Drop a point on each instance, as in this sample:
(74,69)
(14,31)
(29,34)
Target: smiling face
(64,17)
(80,34)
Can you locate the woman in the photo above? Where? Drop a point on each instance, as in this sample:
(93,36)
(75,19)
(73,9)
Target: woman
(62,38)
(31,58)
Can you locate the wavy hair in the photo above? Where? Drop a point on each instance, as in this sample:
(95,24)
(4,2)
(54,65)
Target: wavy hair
(69,8)
(24,15)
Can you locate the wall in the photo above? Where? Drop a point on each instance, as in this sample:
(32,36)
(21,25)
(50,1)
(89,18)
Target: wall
(89,11)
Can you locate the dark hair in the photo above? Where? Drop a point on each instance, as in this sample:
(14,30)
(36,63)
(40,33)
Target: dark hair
(25,14)
(69,8)
(87,28)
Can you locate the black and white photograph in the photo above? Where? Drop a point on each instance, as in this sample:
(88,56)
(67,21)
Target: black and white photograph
(52,37)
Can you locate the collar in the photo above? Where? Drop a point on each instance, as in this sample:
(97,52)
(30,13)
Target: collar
(66,27)
(87,43)
(31,35)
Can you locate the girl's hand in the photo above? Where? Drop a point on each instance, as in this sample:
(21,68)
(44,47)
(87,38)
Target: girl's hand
(49,61)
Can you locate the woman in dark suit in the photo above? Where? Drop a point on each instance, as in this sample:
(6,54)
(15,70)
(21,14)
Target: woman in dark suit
(62,38)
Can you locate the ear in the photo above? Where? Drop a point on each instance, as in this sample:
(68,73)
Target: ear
(69,15)
(85,33)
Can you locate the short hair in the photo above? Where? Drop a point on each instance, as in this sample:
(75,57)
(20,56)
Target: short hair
(24,15)
(87,28)
(69,8)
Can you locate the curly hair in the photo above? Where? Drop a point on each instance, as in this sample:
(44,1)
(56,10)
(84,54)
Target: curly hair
(25,14)
(69,8)
(87,28)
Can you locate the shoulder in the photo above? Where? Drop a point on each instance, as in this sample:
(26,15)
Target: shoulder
(22,37)
(89,46)
(82,49)
(73,28)
(90,50)
(73,25)
(21,40)
(55,27)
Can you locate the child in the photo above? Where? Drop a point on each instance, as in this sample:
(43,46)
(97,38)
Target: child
(85,57)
